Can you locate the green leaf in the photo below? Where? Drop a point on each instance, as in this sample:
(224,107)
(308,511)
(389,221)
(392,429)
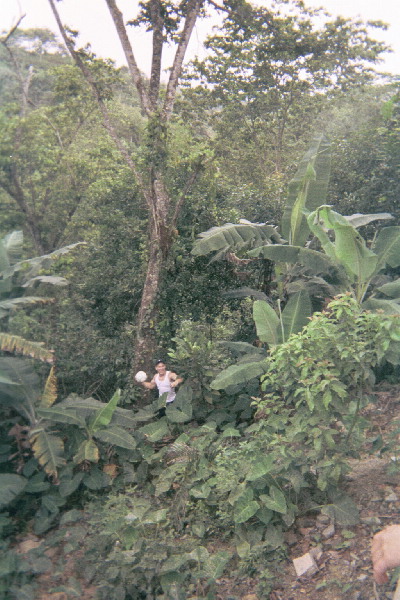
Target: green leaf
(116,436)
(391,289)
(275,500)
(342,510)
(307,190)
(69,486)
(59,415)
(104,415)
(234,237)
(387,247)
(11,485)
(296,313)
(244,509)
(181,410)
(87,451)
(266,321)
(261,466)
(154,432)
(236,374)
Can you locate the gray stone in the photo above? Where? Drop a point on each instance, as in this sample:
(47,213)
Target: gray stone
(305,565)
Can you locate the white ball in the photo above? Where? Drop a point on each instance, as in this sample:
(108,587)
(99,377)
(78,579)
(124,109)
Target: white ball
(140,376)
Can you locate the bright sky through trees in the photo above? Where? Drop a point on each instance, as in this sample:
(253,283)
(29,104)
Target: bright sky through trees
(92,20)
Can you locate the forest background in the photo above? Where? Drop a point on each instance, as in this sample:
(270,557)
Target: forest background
(111,176)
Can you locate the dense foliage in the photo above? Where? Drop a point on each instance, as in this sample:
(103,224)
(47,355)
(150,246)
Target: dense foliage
(279,337)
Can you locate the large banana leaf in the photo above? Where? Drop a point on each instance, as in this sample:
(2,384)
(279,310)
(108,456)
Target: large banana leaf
(267,322)
(236,374)
(359,220)
(87,451)
(49,395)
(389,307)
(307,190)
(296,313)
(103,417)
(235,237)
(116,436)
(181,410)
(48,449)
(11,485)
(24,396)
(58,414)
(13,303)
(316,262)
(391,289)
(85,407)
(349,248)
(387,247)
(19,345)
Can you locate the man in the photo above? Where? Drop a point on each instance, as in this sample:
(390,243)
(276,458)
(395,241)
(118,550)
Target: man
(385,552)
(165,381)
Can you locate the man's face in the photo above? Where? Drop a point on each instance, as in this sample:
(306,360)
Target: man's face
(161,368)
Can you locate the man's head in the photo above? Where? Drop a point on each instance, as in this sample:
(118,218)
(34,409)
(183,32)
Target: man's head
(160,367)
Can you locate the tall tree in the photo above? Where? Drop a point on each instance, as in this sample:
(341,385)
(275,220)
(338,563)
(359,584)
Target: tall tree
(170,23)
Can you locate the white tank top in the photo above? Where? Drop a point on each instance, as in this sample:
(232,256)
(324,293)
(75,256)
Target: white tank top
(164,385)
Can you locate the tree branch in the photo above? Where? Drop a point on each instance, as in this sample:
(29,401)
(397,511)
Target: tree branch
(116,16)
(193,10)
(100,103)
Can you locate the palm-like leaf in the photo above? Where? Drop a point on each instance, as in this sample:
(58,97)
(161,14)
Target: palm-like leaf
(48,450)
(235,238)
(19,345)
(307,190)
(297,313)
(49,395)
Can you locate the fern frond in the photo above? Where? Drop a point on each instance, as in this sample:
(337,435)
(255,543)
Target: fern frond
(49,395)
(19,345)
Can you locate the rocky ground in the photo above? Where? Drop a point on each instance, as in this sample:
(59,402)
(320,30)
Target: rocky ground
(340,555)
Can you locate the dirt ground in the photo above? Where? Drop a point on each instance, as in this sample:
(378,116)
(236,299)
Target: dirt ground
(342,555)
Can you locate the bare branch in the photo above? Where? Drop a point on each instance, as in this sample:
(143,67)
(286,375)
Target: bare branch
(100,103)
(193,10)
(158,43)
(130,58)
(9,34)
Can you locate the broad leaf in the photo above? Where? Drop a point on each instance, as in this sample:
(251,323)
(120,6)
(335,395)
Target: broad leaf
(235,237)
(342,509)
(87,451)
(48,450)
(181,410)
(116,436)
(275,500)
(49,395)
(387,247)
(389,307)
(236,374)
(261,466)
(104,415)
(244,509)
(154,432)
(359,220)
(296,313)
(307,190)
(314,261)
(19,345)
(391,289)
(11,485)
(58,414)
(267,322)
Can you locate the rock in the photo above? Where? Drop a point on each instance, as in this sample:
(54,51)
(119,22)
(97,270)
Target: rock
(323,521)
(27,545)
(290,538)
(305,565)
(316,552)
(371,521)
(392,498)
(329,531)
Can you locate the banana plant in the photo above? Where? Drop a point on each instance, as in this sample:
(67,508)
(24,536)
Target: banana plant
(360,264)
